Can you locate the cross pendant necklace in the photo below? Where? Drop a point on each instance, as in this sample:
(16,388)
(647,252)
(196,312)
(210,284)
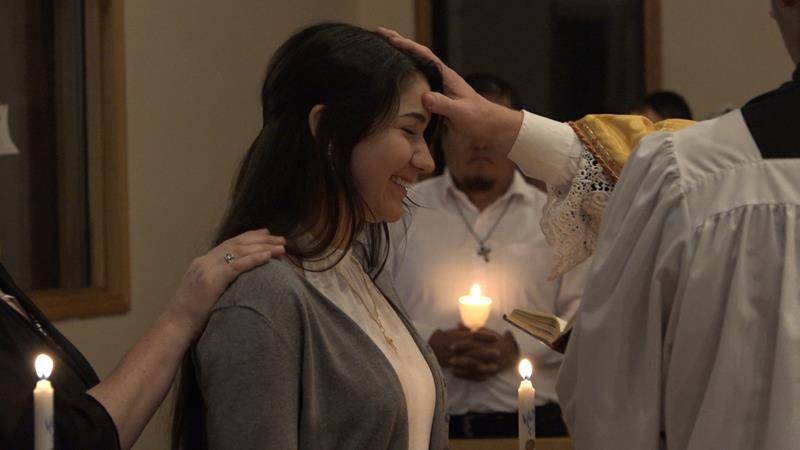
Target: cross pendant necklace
(483,249)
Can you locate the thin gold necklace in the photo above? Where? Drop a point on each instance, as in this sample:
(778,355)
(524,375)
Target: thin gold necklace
(374,314)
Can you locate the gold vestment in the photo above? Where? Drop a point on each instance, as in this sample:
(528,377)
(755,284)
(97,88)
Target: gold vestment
(611,138)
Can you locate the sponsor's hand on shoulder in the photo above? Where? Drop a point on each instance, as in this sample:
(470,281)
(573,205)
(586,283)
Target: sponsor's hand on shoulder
(209,275)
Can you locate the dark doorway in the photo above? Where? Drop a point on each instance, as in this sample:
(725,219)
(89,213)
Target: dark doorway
(566,58)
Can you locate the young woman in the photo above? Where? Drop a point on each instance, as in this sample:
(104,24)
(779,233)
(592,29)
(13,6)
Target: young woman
(314,352)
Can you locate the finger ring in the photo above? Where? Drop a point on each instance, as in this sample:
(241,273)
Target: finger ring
(229,258)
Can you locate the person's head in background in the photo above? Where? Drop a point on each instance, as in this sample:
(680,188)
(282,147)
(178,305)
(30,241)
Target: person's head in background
(787,14)
(344,130)
(482,175)
(663,105)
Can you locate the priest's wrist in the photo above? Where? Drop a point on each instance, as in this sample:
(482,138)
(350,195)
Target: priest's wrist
(504,126)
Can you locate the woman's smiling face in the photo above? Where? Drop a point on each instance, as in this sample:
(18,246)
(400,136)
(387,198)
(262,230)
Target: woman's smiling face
(386,162)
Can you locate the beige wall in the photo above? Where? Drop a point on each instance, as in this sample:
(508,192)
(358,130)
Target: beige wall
(194,71)
(721,52)
(397,14)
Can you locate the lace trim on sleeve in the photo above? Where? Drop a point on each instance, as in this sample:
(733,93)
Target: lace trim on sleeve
(572,214)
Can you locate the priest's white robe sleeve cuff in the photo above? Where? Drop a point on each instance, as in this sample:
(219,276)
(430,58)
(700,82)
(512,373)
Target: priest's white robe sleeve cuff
(546,150)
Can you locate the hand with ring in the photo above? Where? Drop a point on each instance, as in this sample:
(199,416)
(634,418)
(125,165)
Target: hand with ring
(209,275)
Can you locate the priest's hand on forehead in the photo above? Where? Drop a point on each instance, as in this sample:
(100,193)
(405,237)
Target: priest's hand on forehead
(466,110)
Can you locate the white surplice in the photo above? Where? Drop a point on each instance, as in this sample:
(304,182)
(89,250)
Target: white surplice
(688,336)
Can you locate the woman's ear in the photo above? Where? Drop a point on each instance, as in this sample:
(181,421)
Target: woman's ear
(313,118)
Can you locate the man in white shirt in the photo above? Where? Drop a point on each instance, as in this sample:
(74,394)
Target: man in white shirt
(471,225)
(688,333)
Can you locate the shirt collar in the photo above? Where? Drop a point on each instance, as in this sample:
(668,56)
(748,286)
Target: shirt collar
(518,188)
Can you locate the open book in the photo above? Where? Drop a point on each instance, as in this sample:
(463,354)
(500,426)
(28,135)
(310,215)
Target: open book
(551,330)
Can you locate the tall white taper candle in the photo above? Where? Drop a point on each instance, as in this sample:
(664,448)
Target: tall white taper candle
(526,406)
(43,425)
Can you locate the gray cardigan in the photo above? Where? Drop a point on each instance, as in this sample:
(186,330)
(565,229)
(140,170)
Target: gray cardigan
(281,367)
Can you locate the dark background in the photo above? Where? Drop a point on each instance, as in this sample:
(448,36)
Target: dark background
(566,58)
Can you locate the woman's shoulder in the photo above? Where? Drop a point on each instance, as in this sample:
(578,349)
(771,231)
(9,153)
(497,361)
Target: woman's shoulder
(259,318)
(271,289)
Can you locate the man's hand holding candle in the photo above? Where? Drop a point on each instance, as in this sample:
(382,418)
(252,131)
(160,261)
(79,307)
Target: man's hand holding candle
(476,355)
(483,356)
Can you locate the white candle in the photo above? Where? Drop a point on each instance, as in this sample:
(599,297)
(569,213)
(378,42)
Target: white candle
(43,426)
(474,308)
(527,407)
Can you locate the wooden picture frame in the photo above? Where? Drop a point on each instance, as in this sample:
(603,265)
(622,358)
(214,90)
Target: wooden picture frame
(423,21)
(106,172)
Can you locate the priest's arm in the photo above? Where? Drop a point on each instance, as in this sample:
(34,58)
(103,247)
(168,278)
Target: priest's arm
(580,161)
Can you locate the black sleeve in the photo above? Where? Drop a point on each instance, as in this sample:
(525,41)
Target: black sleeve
(86,424)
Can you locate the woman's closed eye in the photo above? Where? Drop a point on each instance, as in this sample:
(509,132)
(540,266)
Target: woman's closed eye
(413,124)
(411,132)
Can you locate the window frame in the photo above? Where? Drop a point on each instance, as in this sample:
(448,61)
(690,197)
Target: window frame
(107,185)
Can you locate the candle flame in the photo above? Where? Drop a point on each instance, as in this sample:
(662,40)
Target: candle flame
(44,366)
(475,291)
(475,297)
(525,368)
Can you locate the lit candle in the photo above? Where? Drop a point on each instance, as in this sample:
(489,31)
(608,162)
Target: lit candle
(474,308)
(526,407)
(43,426)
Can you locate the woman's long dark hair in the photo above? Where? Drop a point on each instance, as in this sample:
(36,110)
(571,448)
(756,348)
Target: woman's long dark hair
(293,182)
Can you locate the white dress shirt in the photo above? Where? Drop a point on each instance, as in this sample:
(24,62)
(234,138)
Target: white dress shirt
(688,335)
(435,261)
(351,290)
